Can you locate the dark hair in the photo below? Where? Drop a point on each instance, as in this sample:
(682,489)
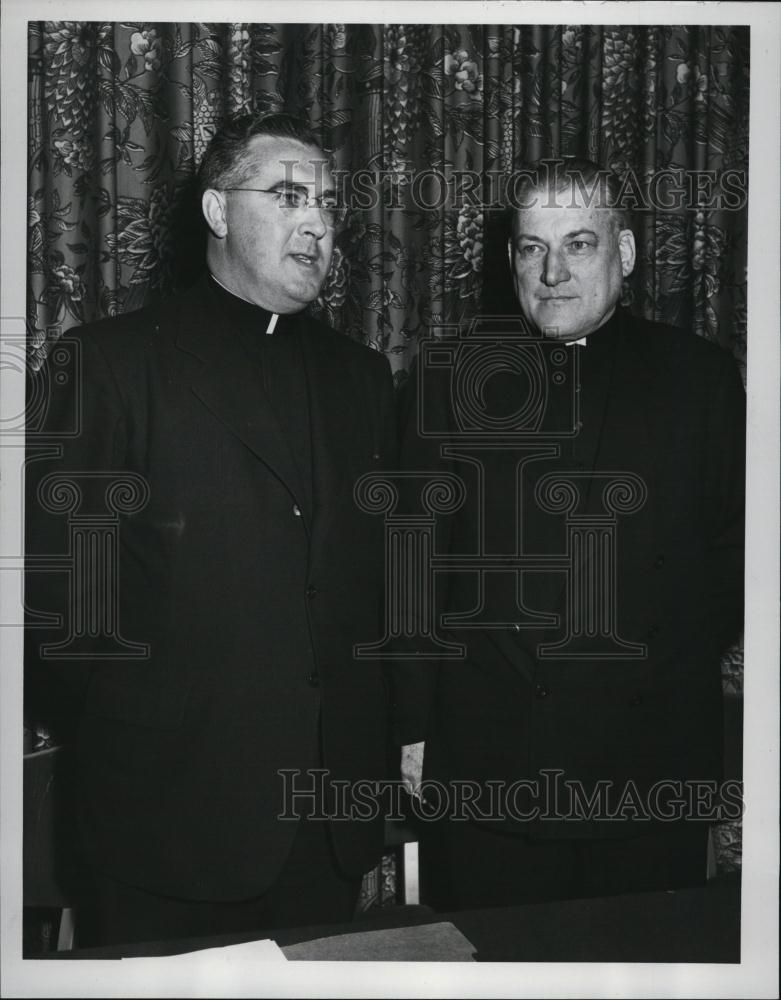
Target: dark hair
(225,163)
(600,186)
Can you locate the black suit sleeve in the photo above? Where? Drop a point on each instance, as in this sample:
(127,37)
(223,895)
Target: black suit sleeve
(82,430)
(727,468)
(415,675)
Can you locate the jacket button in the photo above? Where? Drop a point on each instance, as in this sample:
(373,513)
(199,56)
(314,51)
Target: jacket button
(311,592)
(541,691)
(515,628)
(313,679)
(636,700)
(658,562)
(296,510)
(652,631)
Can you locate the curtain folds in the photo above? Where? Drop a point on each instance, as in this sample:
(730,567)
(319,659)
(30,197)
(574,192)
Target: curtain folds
(120,116)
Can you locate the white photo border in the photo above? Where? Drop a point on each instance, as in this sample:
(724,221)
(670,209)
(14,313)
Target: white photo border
(757,973)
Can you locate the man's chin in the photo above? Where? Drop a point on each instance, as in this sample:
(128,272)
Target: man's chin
(301,295)
(558,322)
(558,331)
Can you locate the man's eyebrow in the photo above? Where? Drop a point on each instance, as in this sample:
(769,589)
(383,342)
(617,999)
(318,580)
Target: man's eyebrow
(581,232)
(285,185)
(567,236)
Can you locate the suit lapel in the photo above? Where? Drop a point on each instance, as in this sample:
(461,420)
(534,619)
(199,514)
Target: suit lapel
(338,421)
(633,428)
(228,385)
(596,374)
(620,409)
(637,418)
(635,413)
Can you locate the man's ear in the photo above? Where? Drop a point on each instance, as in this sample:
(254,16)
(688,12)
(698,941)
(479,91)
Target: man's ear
(213,208)
(626,248)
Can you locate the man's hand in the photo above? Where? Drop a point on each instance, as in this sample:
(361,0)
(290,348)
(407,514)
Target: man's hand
(412,767)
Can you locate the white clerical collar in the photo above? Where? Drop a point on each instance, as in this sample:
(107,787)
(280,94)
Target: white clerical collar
(572,343)
(272,319)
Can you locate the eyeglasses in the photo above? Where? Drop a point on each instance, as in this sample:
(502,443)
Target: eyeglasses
(296,200)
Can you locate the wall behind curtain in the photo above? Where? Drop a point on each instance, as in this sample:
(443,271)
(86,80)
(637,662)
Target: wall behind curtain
(121,113)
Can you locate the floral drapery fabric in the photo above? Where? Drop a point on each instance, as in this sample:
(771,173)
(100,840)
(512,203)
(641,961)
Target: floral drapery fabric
(121,113)
(424,118)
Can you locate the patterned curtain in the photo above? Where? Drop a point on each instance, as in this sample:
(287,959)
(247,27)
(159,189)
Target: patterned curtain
(121,113)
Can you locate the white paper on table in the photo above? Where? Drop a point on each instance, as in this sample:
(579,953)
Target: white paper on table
(250,951)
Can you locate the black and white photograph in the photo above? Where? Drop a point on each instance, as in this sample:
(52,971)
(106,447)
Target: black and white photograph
(389,567)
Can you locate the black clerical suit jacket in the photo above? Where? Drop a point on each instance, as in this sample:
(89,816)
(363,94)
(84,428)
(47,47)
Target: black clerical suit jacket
(664,410)
(243,591)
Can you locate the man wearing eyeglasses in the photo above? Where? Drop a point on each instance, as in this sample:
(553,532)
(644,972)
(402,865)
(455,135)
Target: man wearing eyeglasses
(205,766)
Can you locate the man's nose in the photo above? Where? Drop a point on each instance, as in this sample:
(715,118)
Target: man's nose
(312,222)
(554,269)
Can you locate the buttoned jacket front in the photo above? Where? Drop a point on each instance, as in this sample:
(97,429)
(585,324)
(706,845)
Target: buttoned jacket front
(247,599)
